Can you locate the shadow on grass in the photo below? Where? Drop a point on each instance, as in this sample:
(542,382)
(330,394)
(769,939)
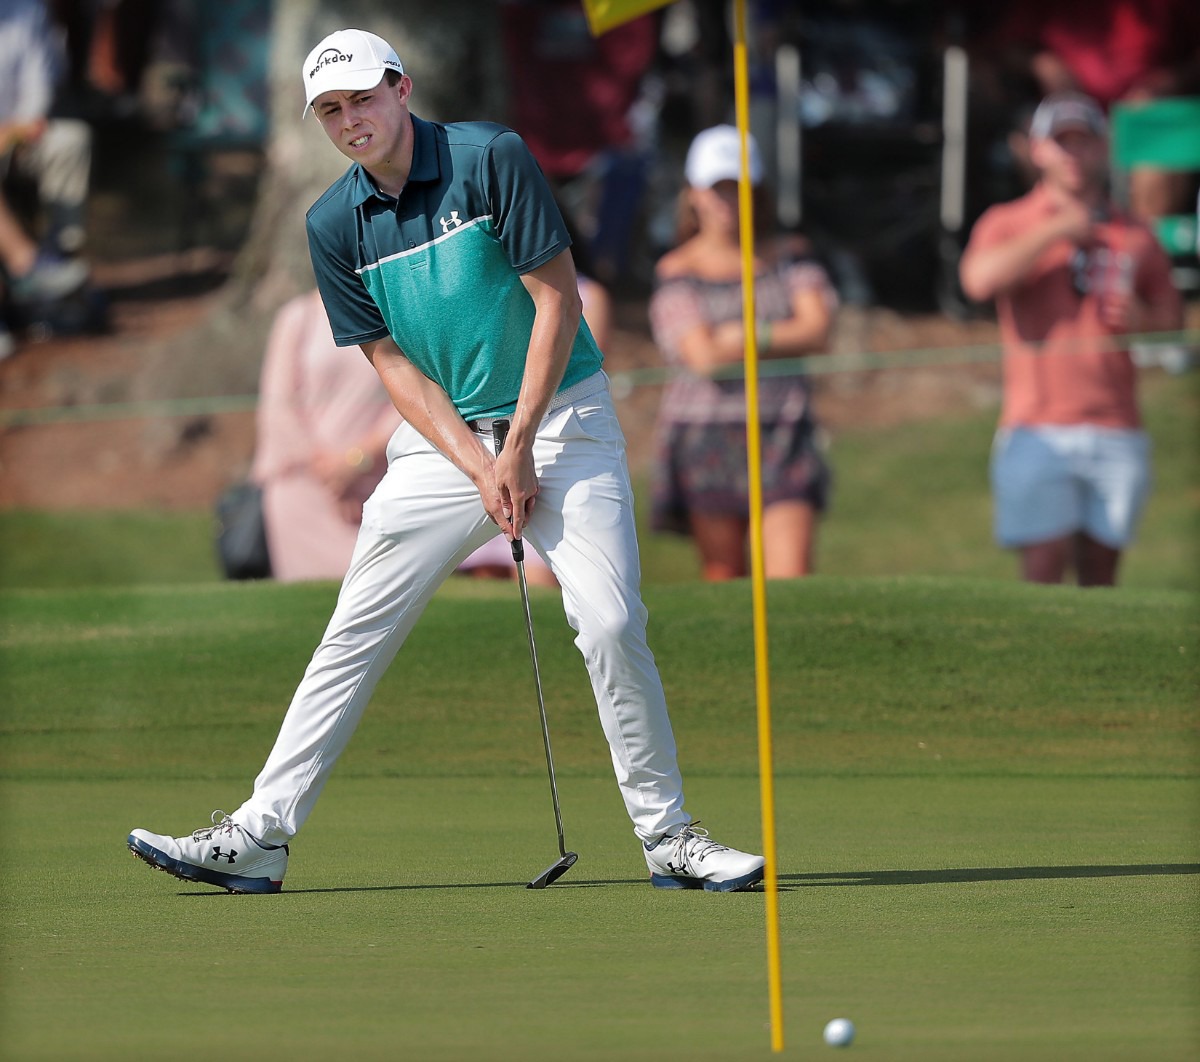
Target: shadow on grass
(976,874)
(558,885)
(791,882)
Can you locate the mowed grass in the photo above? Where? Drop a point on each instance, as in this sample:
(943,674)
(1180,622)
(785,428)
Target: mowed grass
(987,801)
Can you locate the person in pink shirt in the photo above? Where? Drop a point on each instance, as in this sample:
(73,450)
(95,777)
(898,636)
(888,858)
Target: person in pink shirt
(324,421)
(1072,278)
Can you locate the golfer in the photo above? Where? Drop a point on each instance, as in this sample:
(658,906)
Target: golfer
(442,254)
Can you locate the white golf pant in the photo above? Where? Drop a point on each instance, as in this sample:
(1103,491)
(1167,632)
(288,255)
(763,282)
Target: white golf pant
(422,520)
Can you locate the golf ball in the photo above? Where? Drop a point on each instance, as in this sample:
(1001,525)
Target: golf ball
(839,1032)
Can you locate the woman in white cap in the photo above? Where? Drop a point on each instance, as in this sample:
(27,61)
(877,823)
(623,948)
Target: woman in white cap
(701,482)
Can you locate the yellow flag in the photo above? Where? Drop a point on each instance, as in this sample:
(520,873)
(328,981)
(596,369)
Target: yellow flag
(603,15)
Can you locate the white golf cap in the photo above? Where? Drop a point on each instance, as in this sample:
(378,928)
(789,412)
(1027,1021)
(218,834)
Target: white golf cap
(1067,110)
(349,60)
(716,155)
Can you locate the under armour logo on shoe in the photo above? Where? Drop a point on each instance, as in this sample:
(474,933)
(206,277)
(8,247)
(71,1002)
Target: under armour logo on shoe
(218,855)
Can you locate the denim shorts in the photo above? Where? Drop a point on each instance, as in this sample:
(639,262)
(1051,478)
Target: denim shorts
(1052,481)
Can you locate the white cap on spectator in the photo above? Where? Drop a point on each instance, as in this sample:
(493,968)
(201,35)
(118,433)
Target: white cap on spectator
(1067,110)
(716,155)
(349,60)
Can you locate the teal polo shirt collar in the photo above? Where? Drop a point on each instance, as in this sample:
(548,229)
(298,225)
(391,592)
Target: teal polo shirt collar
(425,165)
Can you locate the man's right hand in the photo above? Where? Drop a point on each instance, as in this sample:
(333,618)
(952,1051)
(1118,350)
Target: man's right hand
(1072,221)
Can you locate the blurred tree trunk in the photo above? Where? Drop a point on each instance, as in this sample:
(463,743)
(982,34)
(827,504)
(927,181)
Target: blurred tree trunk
(450,49)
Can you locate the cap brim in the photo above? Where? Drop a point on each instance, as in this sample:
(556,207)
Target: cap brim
(1072,125)
(711,180)
(1069,126)
(350,81)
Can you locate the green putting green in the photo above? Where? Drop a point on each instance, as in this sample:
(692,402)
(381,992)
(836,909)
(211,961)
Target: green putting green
(987,804)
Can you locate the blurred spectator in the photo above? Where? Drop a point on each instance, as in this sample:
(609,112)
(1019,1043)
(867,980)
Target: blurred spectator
(54,153)
(701,480)
(324,421)
(1069,273)
(1114,51)
(579,103)
(699,51)
(597,309)
(493,560)
(117,39)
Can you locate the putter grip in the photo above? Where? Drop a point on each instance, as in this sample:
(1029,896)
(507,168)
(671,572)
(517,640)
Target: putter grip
(500,434)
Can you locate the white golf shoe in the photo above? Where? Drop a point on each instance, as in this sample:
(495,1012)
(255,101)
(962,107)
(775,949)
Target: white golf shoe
(222,854)
(690,859)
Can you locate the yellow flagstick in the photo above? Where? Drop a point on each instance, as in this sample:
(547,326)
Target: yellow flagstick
(604,15)
(758,578)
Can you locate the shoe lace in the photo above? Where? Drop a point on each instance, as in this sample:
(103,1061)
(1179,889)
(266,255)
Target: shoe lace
(221,823)
(693,843)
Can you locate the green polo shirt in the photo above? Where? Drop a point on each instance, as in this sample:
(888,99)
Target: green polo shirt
(439,269)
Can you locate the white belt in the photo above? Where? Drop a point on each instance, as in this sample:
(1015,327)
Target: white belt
(586,387)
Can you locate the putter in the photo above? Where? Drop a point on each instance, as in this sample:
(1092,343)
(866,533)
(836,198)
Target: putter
(566,859)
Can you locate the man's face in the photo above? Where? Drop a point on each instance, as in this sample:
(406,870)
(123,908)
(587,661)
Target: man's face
(1074,160)
(367,126)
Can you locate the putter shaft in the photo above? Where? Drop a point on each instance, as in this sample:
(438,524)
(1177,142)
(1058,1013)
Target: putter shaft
(537,679)
(566,859)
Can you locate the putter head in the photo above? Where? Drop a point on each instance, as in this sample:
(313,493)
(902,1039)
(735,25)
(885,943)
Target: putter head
(553,872)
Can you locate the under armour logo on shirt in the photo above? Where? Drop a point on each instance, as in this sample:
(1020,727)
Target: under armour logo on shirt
(452,222)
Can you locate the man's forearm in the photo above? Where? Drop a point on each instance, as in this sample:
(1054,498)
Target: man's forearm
(427,407)
(545,364)
(558,311)
(989,272)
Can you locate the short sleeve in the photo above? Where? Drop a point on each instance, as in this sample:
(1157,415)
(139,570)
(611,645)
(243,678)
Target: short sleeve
(993,227)
(528,222)
(353,315)
(1154,283)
